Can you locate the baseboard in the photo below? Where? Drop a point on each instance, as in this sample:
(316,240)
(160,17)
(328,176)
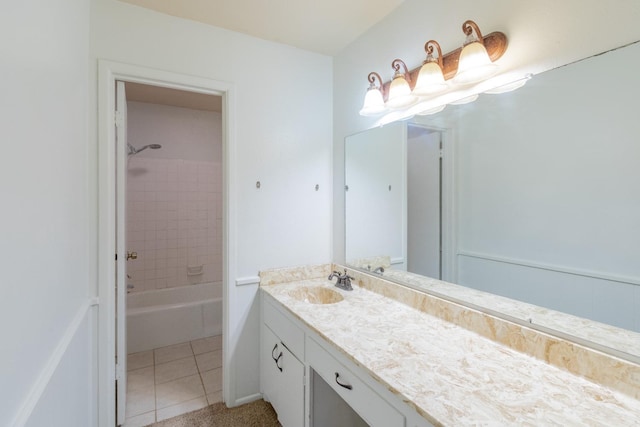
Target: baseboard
(32,399)
(248,399)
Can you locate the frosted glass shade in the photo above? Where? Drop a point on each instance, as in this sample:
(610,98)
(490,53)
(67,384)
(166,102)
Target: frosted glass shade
(373,103)
(474,64)
(400,94)
(430,80)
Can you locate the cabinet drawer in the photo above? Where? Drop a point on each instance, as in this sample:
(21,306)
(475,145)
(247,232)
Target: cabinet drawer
(290,335)
(367,403)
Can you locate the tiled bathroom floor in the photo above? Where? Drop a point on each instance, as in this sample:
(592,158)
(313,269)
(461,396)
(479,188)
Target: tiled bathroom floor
(170,381)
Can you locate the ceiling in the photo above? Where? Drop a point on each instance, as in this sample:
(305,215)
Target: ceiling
(177,98)
(323,26)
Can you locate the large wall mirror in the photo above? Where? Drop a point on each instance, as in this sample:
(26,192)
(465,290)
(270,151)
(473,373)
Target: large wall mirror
(536,199)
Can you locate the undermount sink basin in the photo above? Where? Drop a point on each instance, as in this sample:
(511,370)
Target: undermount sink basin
(316,295)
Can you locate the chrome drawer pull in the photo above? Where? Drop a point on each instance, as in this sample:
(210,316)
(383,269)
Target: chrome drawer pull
(347,386)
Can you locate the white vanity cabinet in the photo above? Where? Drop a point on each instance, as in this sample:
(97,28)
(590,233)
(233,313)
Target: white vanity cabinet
(282,373)
(352,398)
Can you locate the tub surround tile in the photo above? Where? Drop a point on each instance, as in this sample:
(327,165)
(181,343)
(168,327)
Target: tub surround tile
(178,391)
(182,408)
(452,374)
(291,274)
(209,361)
(175,369)
(139,360)
(172,352)
(587,362)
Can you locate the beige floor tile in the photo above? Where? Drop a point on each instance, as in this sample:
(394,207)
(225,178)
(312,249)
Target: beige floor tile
(182,408)
(212,380)
(140,402)
(206,345)
(141,420)
(172,352)
(176,369)
(140,379)
(178,391)
(209,361)
(139,360)
(214,397)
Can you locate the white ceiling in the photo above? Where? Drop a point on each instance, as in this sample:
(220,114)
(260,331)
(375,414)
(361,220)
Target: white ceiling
(323,26)
(176,98)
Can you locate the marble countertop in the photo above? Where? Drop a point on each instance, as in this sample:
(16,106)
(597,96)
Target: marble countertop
(619,339)
(450,375)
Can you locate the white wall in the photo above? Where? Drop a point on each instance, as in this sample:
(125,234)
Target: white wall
(47,245)
(283,135)
(542,35)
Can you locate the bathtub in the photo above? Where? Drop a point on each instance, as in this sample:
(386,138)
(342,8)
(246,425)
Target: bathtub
(174,315)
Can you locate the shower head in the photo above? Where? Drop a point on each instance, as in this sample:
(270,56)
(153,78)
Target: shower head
(134,150)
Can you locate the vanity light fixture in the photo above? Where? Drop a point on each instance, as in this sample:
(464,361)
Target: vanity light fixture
(474,63)
(454,77)
(430,79)
(400,95)
(374,99)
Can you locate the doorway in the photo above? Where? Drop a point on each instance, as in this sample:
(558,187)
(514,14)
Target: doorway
(424,201)
(112,280)
(173,245)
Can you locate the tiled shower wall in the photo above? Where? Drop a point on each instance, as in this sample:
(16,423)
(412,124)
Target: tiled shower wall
(174,222)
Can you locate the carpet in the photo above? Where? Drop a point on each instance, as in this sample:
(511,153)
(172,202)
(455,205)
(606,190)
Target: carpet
(254,414)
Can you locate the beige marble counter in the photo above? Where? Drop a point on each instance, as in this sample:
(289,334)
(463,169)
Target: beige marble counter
(450,375)
(617,339)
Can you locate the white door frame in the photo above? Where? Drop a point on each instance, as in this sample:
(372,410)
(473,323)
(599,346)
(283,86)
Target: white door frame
(108,73)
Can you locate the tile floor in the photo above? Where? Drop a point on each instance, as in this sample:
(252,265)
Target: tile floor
(173,380)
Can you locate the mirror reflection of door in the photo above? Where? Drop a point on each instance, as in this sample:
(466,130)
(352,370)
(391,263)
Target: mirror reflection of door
(424,166)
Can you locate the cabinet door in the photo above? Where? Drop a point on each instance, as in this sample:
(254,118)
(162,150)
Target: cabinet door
(283,380)
(268,369)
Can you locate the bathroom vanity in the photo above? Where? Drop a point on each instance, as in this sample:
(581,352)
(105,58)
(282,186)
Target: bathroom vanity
(295,358)
(380,356)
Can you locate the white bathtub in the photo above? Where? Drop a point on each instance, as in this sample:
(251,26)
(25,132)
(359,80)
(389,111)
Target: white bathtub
(170,316)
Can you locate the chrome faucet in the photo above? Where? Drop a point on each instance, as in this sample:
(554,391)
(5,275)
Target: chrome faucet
(344,280)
